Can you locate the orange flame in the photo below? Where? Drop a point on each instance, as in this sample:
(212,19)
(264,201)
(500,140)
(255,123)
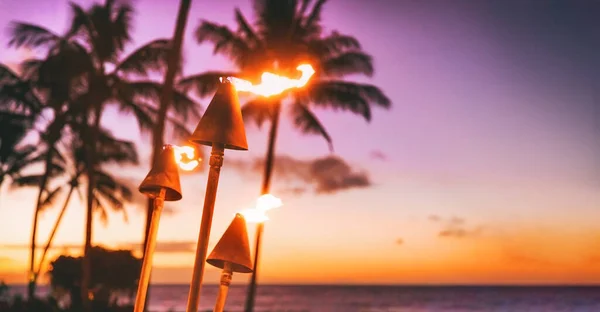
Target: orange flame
(272,84)
(189,153)
(263,204)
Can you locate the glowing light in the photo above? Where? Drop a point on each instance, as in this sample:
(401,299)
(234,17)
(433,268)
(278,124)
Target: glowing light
(254,215)
(264,203)
(272,84)
(268,202)
(189,152)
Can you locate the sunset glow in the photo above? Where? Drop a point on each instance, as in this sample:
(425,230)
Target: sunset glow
(485,170)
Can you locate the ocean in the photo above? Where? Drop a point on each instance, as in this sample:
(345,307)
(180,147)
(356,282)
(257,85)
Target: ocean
(383,298)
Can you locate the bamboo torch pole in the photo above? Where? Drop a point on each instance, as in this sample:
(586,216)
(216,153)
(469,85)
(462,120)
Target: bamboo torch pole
(222,128)
(140,298)
(161,183)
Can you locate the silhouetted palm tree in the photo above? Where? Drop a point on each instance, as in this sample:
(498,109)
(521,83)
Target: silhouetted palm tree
(84,72)
(19,107)
(173,68)
(284,34)
(109,191)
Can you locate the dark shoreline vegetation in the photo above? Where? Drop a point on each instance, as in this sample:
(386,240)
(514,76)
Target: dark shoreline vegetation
(52,107)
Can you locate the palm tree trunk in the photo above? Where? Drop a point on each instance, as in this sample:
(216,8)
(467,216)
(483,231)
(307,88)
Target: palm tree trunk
(165,99)
(32,278)
(91,171)
(266,186)
(54,229)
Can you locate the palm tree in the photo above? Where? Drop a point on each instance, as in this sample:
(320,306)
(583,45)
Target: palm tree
(19,107)
(108,190)
(173,66)
(84,87)
(284,34)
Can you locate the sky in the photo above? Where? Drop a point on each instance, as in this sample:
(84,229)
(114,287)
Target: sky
(486,170)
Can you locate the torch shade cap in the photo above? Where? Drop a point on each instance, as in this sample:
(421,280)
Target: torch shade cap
(233,247)
(164,174)
(222,121)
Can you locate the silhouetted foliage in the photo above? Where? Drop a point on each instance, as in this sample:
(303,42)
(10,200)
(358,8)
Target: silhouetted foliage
(114,273)
(83,70)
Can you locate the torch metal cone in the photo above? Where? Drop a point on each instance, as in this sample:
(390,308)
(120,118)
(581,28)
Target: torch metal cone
(222,122)
(164,174)
(233,247)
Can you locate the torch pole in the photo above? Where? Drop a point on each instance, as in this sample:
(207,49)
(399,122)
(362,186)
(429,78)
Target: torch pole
(140,298)
(216,161)
(226,275)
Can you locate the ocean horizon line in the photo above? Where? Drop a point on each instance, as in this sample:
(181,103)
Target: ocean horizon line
(400,285)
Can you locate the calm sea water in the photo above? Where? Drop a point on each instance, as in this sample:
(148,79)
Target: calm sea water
(384,298)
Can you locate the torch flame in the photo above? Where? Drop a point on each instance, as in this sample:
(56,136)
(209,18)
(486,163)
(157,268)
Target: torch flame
(272,84)
(263,204)
(189,153)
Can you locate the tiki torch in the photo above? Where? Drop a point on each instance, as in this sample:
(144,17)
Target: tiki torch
(161,183)
(231,254)
(222,128)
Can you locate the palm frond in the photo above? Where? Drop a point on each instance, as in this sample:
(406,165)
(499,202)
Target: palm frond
(205,83)
(226,42)
(27,180)
(303,7)
(17,94)
(333,44)
(151,57)
(259,110)
(348,63)
(30,36)
(112,192)
(79,21)
(344,95)
(122,25)
(50,197)
(13,128)
(308,123)
(20,159)
(133,98)
(245,28)
(99,208)
(7,75)
(109,149)
(179,129)
(184,107)
(314,17)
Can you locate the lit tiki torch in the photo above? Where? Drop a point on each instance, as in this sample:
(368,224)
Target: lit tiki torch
(222,128)
(271,84)
(161,183)
(232,254)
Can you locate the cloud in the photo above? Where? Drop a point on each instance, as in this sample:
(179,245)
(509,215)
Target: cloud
(459,232)
(324,175)
(455,227)
(378,155)
(434,218)
(521,256)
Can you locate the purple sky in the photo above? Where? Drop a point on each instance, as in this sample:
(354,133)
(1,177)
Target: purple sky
(495,119)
